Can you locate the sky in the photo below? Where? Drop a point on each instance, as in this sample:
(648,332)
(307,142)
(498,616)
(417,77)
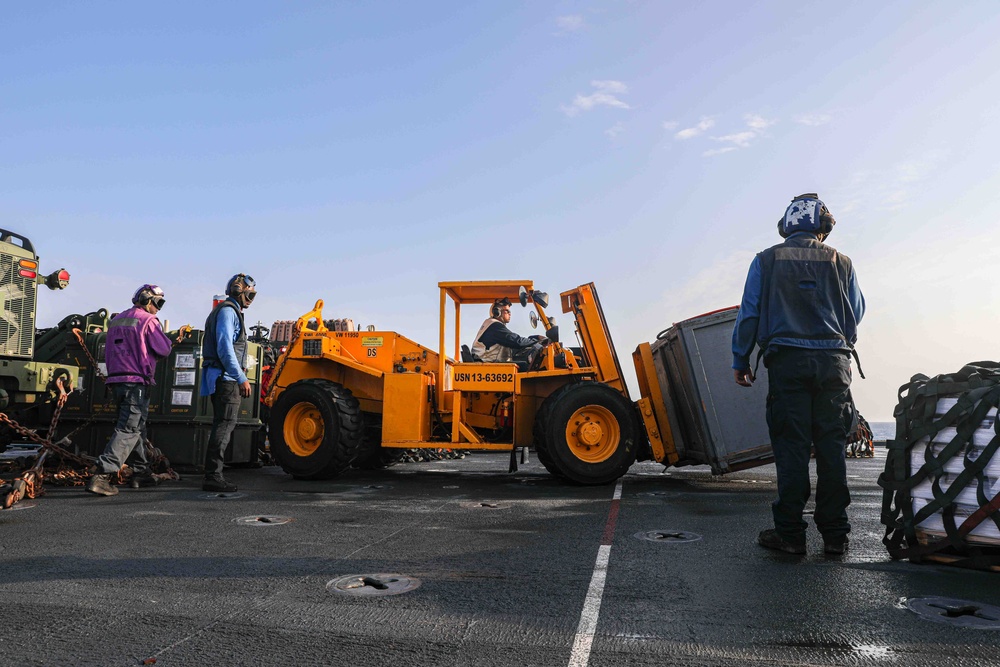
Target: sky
(360,153)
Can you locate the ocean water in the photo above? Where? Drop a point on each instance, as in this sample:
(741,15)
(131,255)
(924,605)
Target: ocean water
(883,430)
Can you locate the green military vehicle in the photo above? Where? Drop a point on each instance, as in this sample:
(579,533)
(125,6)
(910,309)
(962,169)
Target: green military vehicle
(28,388)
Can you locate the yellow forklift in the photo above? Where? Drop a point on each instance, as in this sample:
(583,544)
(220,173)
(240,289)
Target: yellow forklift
(339,398)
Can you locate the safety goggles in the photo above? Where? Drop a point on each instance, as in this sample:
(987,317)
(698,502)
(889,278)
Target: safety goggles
(158,301)
(249,290)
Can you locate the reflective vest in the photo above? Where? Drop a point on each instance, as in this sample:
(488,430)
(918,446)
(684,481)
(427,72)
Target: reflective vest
(209,353)
(804,296)
(495,353)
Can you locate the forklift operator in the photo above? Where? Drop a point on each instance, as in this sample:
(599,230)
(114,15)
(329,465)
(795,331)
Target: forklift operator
(496,343)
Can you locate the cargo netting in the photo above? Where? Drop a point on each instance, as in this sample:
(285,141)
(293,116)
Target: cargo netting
(941,483)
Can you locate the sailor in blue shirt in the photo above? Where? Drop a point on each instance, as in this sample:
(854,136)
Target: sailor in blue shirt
(802,305)
(224,367)
(229,367)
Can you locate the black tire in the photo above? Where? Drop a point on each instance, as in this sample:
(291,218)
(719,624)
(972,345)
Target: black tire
(316,429)
(538,440)
(6,437)
(586,432)
(372,455)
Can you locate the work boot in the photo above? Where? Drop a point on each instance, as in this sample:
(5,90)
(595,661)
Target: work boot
(770,539)
(143,480)
(836,546)
(218,486)
(101,485)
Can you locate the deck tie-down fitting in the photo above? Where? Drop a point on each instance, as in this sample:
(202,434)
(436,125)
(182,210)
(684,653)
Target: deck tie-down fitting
(957,611)
(264,520)
(962,613)
(374,582)
(668,536)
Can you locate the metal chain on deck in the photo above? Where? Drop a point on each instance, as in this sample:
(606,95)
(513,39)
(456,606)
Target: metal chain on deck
(861,443)
(99,373)
(29,484)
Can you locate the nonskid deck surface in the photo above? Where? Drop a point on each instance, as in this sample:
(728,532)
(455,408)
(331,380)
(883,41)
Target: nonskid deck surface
(484,567)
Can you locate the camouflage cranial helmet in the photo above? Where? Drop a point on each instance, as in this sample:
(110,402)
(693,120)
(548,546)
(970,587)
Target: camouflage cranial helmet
(149,294)
(806,213)
(243,288)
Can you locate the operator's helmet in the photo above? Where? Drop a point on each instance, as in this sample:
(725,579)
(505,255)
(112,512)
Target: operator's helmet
(497,305)
(242,288)
(149,293)
(806,213)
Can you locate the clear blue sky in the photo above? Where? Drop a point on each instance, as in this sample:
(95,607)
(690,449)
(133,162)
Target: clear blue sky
(361,152)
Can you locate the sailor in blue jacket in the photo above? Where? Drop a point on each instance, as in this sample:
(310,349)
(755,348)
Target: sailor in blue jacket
(802,305)
(224,373)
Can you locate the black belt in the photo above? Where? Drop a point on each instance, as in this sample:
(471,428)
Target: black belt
(118,375)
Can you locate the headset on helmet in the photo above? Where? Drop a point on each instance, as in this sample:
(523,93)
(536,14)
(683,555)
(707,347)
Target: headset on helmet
(806,213)
(497,305)
(149,293)
(242,285)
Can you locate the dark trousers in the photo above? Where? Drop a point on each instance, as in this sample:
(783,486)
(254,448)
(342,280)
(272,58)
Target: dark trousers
(127,442)
(226,409)
(809,405)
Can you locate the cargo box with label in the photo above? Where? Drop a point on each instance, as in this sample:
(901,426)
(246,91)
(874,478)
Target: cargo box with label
(713,420)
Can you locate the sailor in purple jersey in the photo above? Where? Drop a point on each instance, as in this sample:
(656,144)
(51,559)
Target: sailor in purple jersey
(135,342)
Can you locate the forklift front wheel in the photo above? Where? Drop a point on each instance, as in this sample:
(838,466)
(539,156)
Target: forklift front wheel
(587,432)
(593,433)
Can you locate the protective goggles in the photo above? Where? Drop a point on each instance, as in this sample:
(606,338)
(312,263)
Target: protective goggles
(249,290)
(158,301)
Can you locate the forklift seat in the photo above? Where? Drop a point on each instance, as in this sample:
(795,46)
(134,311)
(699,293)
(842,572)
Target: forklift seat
(468,357)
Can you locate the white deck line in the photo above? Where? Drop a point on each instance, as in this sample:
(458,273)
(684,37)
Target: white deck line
(584,640)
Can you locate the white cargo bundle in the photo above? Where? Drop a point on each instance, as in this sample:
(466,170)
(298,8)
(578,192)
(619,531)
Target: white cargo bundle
(966,502)
(942,473)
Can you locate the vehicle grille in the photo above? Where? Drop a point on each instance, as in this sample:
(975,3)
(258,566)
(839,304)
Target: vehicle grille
(17,316)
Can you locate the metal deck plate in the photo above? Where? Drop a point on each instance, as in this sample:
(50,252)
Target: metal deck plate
(262,520)
(963,613)
(668,536)
(221,495)
(486,505)
(372,585)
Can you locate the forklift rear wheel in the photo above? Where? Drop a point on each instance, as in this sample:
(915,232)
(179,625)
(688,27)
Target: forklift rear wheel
(588,433)
(316,429)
